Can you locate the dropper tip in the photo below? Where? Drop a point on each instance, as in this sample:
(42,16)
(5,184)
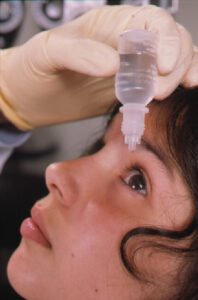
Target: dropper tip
(132,141)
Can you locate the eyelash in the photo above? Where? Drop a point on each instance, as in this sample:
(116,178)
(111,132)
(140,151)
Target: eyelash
(139,171)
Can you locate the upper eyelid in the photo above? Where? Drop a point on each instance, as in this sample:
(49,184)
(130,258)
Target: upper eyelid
(135,167)
(132,170)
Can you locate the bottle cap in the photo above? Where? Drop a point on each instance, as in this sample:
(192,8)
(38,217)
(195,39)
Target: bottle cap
(137,41)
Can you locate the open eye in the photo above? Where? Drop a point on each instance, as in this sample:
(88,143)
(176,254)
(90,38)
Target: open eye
(136,180)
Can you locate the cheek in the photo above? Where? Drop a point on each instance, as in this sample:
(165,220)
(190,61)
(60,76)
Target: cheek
(89,259)
(92,263)
(91,235)
(90,240)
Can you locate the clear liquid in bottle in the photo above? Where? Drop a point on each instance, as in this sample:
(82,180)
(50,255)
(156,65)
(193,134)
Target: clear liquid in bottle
(135,79)
(134,82)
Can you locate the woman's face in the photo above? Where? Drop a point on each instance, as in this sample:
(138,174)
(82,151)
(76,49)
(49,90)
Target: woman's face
(92,203)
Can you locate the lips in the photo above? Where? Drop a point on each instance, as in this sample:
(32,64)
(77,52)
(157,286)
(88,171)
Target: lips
(33,228)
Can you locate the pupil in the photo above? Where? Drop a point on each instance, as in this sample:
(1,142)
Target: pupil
(137,182)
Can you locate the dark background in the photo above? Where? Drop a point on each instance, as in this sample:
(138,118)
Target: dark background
(18,191)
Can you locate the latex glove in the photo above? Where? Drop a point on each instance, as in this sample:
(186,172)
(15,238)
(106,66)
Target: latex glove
(58,75)
(191,77)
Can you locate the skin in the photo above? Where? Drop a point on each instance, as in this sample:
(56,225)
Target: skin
(90,206)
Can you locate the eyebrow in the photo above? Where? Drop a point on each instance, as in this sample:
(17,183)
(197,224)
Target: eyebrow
(158,152)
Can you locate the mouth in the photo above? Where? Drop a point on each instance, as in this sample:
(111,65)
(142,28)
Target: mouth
(33,228)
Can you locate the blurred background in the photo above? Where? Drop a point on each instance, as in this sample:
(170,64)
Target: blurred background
(22,181)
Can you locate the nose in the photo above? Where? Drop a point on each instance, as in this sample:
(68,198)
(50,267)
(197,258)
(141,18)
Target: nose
(70,181)
(61,183)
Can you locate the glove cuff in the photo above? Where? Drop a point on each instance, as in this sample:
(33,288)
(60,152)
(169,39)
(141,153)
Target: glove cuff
(5,106)
(12,116)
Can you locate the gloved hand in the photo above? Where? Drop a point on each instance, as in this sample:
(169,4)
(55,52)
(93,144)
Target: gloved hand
(67,73)
(191,77)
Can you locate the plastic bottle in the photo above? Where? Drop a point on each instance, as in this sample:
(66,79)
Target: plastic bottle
(135,81)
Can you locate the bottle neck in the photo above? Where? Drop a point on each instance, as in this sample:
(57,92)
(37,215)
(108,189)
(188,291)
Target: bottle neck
(132,108)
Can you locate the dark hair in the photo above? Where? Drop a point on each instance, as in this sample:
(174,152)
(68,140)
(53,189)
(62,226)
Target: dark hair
(180,111)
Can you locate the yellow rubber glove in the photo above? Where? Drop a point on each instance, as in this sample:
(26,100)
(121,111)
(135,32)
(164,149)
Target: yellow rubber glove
(67,73)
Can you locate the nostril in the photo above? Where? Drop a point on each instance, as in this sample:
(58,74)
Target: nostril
(62,183)
(63,197)
(54,188)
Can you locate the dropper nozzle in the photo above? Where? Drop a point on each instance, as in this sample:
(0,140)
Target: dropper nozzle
(132,141)
(133,123)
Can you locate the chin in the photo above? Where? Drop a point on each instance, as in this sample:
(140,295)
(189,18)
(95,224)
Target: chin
(29,271)
(20,275)
(15,273)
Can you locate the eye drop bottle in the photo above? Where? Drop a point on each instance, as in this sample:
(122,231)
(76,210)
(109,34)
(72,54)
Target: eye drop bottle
(134,83)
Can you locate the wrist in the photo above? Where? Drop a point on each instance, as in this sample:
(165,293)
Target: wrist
(3,119)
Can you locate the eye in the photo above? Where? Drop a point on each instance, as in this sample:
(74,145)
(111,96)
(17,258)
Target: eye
(136,181)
